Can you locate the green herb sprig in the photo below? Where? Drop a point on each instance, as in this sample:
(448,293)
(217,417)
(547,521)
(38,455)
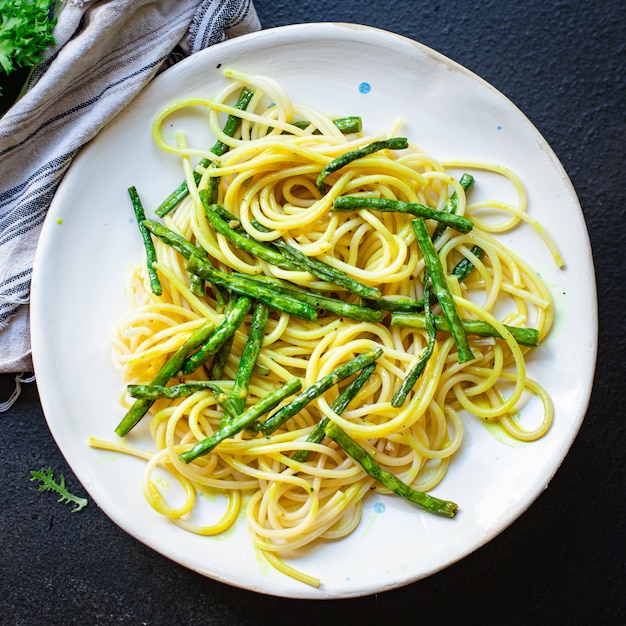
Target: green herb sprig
(25,32)
(48,483)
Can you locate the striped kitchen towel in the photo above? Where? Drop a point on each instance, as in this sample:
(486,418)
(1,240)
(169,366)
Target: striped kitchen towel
(106,51)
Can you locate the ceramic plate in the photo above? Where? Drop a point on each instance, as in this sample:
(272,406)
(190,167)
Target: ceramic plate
(89,241)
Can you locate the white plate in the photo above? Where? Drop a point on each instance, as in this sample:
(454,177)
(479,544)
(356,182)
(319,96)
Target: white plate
(89,240)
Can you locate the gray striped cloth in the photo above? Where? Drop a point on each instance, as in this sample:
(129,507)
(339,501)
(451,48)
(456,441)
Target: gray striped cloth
(106,52)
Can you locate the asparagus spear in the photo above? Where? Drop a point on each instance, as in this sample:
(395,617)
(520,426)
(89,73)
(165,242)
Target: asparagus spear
(350,124)
(250,245)
(466,181)
(200,265)
(170,368)
(463,268)
(459,223)
(338,406)
(393,483)
(300,261)
(196,284)
(219,148)
(233,121)
(226,329)
(440,285)
(241,285)
(241,421)
(414,373)
(216,369)
(324,271)
(319,301)
(186,248)
(395,143)
(317,389)
(237,399)
(218,363)
(347,125)
(402,303)
(140,216)
(523,336)
(176,241)
(155,392)
(233,220)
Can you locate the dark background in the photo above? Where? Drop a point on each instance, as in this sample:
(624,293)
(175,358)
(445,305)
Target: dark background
(562,63)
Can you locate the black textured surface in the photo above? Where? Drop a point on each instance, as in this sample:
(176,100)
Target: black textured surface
(563,561)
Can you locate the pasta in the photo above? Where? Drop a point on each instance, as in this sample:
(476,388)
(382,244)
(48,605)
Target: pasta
(270,182)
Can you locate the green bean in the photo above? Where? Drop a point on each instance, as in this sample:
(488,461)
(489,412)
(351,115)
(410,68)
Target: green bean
(151,257)
(523,336)
(219,148)
(395,143)
(226,329)
(387,479)
(459,223)
(170,368)
(338,406)
(317,389)
(408,382)
(440,286)
(242,421)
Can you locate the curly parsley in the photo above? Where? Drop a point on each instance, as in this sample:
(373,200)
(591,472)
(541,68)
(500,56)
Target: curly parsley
(25,32)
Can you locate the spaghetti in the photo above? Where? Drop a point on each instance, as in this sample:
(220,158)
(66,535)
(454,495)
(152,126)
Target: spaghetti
(296,490)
